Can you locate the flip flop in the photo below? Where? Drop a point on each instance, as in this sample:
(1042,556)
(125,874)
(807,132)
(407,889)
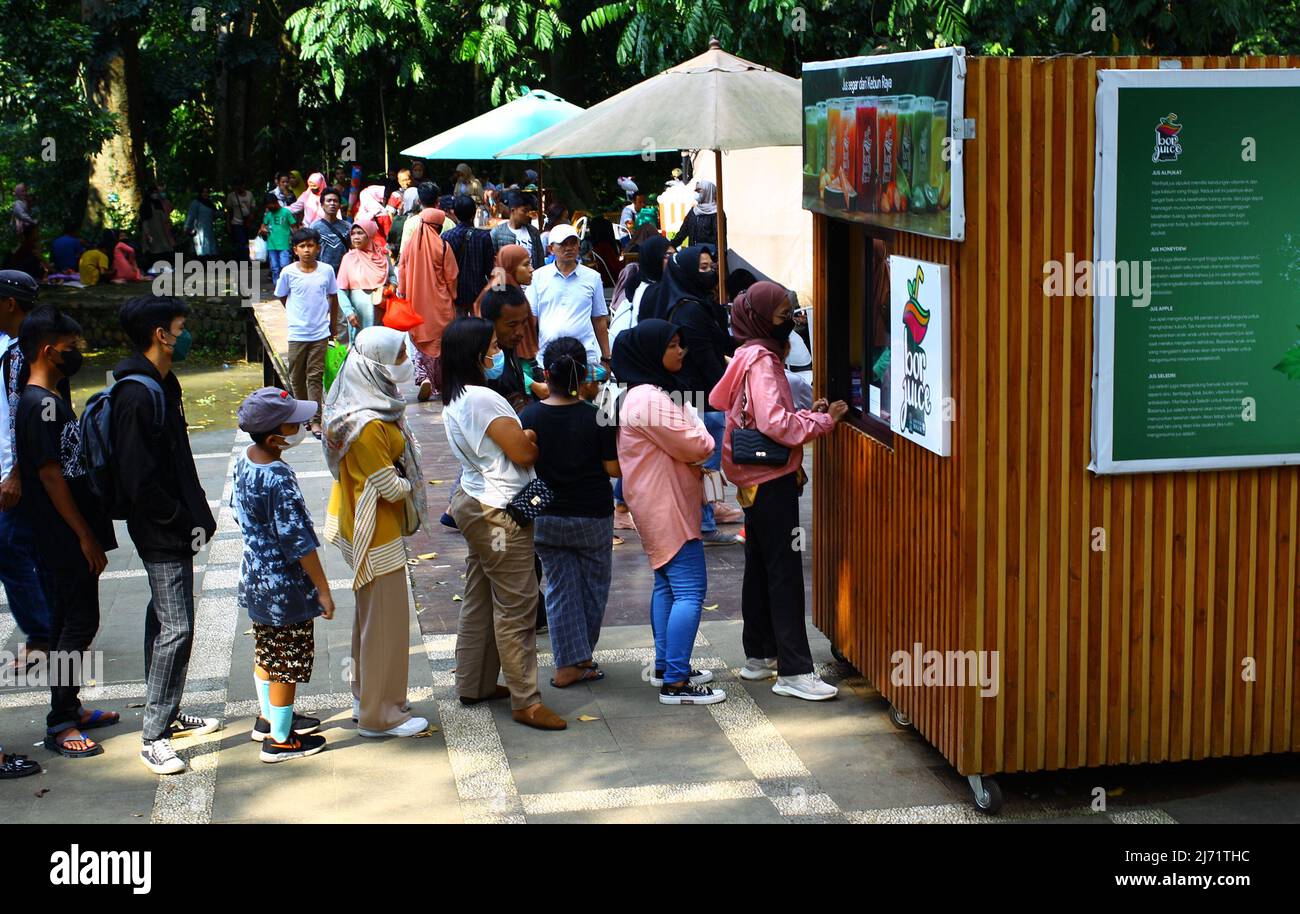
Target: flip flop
(17,766)
(60,746)
(99,719)
(585,677)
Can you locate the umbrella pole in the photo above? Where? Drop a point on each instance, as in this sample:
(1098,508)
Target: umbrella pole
(541,193)
(722,233)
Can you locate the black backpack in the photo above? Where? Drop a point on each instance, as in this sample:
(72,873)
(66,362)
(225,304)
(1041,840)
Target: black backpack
(97,441)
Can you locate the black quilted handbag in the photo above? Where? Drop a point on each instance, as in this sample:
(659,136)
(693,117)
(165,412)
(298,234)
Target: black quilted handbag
(749,446)
(531,502)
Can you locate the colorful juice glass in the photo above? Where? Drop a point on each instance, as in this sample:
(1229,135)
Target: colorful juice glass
(887,133)
(922,115)
(939,154)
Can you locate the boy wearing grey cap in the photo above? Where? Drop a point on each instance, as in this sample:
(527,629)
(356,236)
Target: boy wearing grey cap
(282,584)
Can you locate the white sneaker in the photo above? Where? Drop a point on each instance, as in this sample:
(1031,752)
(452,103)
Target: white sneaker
(698,677)
(356,709)
(160,758)
(808,686)
(756,668)
(412,726)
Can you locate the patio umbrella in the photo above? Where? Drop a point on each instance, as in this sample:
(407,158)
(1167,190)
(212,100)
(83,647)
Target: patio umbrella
(715,101)
(485,136)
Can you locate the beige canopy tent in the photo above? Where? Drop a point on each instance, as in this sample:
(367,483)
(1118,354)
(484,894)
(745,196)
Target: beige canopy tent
(715,101)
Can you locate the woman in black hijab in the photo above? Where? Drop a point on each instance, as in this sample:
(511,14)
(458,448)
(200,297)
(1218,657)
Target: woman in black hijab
(685,297)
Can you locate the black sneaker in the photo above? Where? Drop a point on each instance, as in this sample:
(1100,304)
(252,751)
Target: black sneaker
(691,694)
(302,725)
(295,747)
(698,677)
(192,725)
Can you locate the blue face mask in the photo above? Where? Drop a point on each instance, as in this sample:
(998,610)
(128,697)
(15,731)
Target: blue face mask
(498,366)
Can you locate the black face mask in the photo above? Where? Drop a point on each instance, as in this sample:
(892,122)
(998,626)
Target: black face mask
(781,332)
(70,363)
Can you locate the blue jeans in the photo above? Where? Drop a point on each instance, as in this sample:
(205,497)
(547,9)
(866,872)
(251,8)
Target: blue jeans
(25,579)
(277,261)
(716,423)
(675,610)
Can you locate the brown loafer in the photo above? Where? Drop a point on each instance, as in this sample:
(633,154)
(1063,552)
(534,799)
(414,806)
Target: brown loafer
(539,716)
(498,693)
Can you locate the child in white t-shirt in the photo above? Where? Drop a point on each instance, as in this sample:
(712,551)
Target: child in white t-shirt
(308,290)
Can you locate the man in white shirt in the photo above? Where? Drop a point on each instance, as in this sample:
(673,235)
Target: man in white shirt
(568,299)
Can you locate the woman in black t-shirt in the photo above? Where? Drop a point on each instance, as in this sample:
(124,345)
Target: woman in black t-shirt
(577,455)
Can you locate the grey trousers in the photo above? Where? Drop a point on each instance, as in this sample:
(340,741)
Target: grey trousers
(168,638)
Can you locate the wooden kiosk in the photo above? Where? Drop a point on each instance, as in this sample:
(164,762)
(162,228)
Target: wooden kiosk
(1139,617)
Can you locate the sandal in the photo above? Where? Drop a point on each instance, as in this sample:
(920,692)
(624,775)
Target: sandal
(60,746)
(99,719)
(589,675)
(17,766)
(589,665)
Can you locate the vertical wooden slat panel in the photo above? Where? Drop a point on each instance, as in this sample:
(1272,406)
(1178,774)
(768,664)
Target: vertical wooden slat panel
(1129,653)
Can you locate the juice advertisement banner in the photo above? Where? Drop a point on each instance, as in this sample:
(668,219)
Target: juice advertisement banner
(1196,271)
(878,144)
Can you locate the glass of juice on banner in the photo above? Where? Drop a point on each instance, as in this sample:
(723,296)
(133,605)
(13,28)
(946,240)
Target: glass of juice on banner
(848,129)
(922,114)
(903,159)
(887,131)
(939,132)
(832,138)
(810,140)
(819,162)
(865,157)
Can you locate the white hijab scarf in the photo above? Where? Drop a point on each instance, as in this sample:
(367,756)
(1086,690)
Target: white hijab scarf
(364,391)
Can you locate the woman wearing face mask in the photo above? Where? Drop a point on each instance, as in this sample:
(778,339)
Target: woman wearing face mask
(685,297)
(378,497)
(701,223)
(496,454)
(755,394)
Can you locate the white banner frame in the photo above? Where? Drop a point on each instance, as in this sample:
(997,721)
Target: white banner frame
(1109,85)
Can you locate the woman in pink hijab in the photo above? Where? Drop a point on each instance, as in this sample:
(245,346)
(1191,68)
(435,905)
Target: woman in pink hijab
(307,207)
(372,216)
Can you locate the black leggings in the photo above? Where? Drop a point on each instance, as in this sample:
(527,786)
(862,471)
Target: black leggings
(771,600)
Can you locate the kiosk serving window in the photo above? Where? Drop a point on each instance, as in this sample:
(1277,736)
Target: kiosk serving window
(858,344)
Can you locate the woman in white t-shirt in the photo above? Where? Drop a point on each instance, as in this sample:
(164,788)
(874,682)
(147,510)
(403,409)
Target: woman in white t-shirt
(496,630)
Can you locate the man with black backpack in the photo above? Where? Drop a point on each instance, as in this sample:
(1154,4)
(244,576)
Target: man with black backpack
(167,512)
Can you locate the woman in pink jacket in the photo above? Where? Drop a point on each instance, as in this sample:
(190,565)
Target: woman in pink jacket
(662,445)
(754,393)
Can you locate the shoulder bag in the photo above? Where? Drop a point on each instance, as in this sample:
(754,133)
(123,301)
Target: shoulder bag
(749,446)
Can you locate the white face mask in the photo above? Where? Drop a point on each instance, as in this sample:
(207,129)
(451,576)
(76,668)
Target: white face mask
(296,438)
(402,374)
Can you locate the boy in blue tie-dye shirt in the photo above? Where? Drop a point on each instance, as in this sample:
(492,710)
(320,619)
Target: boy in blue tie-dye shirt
(282,583)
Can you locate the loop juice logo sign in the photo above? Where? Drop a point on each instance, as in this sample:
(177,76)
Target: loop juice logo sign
(920,353)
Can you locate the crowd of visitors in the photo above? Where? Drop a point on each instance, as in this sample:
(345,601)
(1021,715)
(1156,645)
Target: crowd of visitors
(570,419)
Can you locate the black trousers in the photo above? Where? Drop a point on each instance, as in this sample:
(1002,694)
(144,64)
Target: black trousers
(74,620)
(771,599)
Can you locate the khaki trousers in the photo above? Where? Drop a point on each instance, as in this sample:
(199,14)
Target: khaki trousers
(498,619)
(307,371)
(381,637)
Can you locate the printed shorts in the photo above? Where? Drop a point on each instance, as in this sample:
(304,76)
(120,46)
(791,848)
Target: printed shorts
(286,652)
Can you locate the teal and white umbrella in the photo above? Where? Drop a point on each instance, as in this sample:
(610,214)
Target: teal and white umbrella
(485,136)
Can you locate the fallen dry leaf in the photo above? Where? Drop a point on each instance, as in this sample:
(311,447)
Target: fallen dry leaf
(710,607)
(457,598)
(587,718)
(428,555)
(137,704)
(412,561)
(427,731)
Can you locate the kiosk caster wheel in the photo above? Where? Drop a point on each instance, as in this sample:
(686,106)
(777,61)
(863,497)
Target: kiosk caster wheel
(988,795)
(899,719)
(838,654)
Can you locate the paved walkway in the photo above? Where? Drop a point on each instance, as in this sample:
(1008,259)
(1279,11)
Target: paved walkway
(624,758)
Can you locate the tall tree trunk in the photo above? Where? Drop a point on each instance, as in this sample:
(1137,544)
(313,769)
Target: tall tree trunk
(118,167)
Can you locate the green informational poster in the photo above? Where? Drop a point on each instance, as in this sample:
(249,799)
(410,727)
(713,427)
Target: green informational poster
(1196,275)
(879,144)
